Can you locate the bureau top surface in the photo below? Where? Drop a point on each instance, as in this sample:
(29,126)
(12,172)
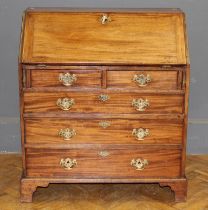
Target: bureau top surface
(136,37)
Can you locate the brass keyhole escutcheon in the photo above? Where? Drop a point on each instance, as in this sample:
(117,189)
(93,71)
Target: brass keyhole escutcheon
(139,163)
(105,19)
(103,97)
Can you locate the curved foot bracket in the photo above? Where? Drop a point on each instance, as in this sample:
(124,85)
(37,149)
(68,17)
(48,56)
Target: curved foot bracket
(179,187)
(28,187)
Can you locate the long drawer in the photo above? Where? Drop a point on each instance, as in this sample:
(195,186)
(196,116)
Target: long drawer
(102,102)
(103,163)
(108,131)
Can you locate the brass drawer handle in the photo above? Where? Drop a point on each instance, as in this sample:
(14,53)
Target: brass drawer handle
(140,104)
(104,97)
(105,19)
(103,153)
(141,79)
(67,79)
(65,103)
(139,164)
(68,163)
(140,133)
(104,124)
(67,133)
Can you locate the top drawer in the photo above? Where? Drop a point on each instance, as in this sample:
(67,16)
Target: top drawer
(65,78)
(161,80)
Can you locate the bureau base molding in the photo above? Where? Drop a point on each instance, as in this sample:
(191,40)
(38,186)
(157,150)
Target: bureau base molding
(29,185)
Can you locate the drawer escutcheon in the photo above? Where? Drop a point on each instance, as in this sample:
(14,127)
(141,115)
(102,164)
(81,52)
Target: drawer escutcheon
(67,79)
(140,104)
(140,133)
(103,153)
(68,163)
(104,124)
(139,163)
(65,103)
(104,97)
(141,79)
(67,133)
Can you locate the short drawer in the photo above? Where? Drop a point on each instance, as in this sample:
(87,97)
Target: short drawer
(102,131)
(103,163)
(65,78)
(102,102)
(142,80)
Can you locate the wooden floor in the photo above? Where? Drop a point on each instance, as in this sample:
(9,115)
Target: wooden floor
(104,196)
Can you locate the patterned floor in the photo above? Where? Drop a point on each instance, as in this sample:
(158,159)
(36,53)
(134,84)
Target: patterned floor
(104,196)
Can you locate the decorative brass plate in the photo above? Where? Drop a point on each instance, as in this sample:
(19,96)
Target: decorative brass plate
(65,103)
(68,163)
(141,79)
(139,164)
(140,104)
(67,79)
(140,133)
(67,133)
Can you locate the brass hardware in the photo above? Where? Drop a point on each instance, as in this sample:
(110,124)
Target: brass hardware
(67,79)
(140,104)
(139,164)
(104,124)
(68,163)
(104,97)
(105,19)
(141,79)
(103,153)
(140,133)
(65,103)
(67,133)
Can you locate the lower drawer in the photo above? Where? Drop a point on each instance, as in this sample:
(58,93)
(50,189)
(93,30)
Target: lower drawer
(109,131)
(104,101)
(103,162)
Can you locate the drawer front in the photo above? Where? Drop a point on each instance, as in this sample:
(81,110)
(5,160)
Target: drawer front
(112,102)
(65,78)
(103,163)
(118,131)
(142,80)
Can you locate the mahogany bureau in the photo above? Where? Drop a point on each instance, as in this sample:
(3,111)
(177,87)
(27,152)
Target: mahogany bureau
(103,97)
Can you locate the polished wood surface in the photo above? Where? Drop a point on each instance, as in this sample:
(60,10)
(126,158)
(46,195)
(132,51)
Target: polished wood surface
(105,58)
(89,102)
(50,78)
(103,196)
(89,131)
(129,38)
(162,163)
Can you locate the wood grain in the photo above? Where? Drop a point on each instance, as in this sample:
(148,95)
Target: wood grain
(45,163)
(89,102)
(89,131)
(81,38)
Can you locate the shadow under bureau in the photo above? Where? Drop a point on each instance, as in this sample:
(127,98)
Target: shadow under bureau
(103,97)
